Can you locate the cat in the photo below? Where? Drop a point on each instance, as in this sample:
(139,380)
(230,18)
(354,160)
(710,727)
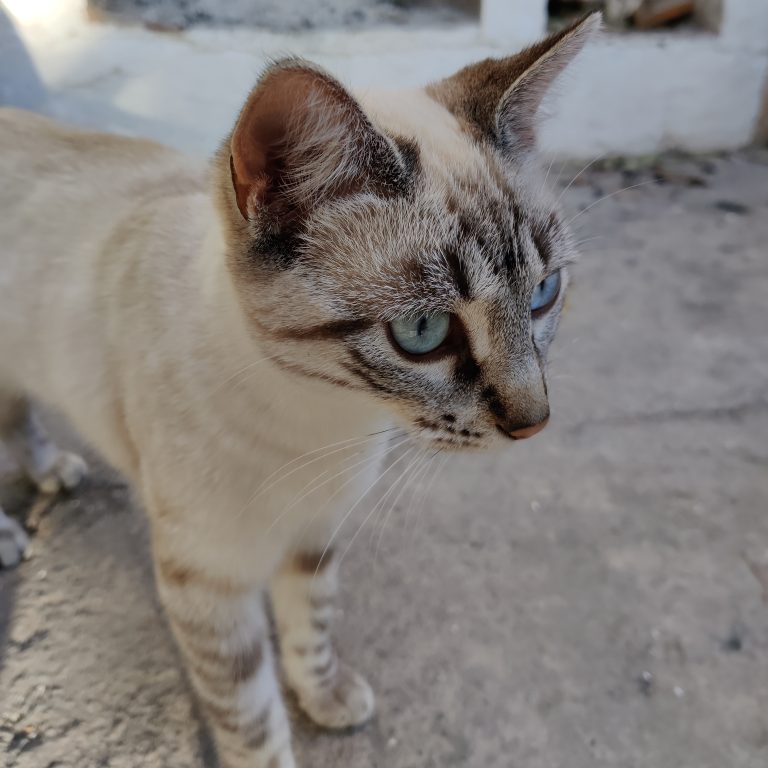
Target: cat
(239,342)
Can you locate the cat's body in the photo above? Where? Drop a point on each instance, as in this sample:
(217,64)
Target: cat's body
(233,342)
(194,406)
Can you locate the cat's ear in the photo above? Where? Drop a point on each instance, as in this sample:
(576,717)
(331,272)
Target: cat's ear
(498,98)
(301,138)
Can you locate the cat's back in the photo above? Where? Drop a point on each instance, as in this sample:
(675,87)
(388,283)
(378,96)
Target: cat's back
(41,157)
(83,214)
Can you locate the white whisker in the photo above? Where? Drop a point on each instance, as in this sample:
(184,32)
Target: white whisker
(365,462)
(409,481)
(378,503)
(354,506)
(573,180)
(605,197)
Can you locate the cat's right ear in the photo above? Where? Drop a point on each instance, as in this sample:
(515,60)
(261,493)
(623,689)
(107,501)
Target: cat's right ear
(301,139)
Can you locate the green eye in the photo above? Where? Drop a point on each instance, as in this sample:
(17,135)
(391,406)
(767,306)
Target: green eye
(422,334)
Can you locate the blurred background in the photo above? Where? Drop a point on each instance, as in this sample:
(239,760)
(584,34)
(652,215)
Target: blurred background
(594,598)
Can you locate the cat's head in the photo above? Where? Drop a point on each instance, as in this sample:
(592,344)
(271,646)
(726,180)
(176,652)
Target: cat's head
(403,244)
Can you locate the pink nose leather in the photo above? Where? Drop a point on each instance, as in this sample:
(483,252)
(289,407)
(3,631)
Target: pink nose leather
(525,432)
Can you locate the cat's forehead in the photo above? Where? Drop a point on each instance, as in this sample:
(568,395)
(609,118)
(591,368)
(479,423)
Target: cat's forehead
(442,143)
(461,238)
(468,178)
(471,226)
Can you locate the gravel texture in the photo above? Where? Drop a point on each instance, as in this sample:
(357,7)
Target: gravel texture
(593,598)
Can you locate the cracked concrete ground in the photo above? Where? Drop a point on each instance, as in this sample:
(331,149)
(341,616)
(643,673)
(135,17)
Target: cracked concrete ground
(591,598)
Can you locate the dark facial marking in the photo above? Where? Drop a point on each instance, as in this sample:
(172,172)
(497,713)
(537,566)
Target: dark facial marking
(449,417)
(364,370)
(335,329)
(495,406)
(409,152)
(467,370)
(457,273)
(301,371)
(543,241)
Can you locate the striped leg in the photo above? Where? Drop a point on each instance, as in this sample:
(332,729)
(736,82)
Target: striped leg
(304,593)
(223,634)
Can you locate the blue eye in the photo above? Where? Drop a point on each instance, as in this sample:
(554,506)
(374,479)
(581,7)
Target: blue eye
(545,294)
(422,334)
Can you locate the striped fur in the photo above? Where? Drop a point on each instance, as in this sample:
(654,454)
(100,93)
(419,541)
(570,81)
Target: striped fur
(231,350)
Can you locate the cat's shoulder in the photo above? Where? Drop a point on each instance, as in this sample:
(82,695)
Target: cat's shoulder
(21,128)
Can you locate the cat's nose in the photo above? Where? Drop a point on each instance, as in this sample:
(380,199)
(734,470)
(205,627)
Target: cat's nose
(522,431)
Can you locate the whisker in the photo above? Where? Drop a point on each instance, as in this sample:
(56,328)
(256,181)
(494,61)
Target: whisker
(546,177)
(366,462)
(427,467)
(383,498)
(425,497)
(353,507)
(409,481)
(605,197)
(378,503)
(583,170)
(229,380)
(324,452)
(581,243)
(392,488)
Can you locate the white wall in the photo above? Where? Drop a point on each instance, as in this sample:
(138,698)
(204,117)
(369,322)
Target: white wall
(627,94)
(654,91)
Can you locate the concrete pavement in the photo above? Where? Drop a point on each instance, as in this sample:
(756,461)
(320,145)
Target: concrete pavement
(589,599)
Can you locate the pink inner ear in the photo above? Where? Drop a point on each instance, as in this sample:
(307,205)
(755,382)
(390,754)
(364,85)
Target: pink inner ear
(262,131)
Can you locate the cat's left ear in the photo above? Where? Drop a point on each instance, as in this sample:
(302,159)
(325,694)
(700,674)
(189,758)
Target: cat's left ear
(498,98)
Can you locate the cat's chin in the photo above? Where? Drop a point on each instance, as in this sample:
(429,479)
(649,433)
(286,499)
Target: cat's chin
(459,444)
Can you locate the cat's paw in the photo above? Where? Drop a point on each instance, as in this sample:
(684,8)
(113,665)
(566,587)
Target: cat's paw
(13,541)
(347,701)
(65,475)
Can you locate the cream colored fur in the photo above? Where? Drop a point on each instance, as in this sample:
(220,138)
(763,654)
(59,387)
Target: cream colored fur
(133,299)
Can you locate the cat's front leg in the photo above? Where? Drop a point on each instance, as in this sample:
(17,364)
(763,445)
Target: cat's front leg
(304,593)
(222,630)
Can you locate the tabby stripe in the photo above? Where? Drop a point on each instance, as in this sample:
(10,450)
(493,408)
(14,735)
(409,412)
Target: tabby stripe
(367,371)
(312,562)
(316,650)
(224,718)
(335,329)
(322,671)
(238,667)
(368,379)
(193,627)
(180,575)
(301,371)
(495,406)
(460,279)
(543,244)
